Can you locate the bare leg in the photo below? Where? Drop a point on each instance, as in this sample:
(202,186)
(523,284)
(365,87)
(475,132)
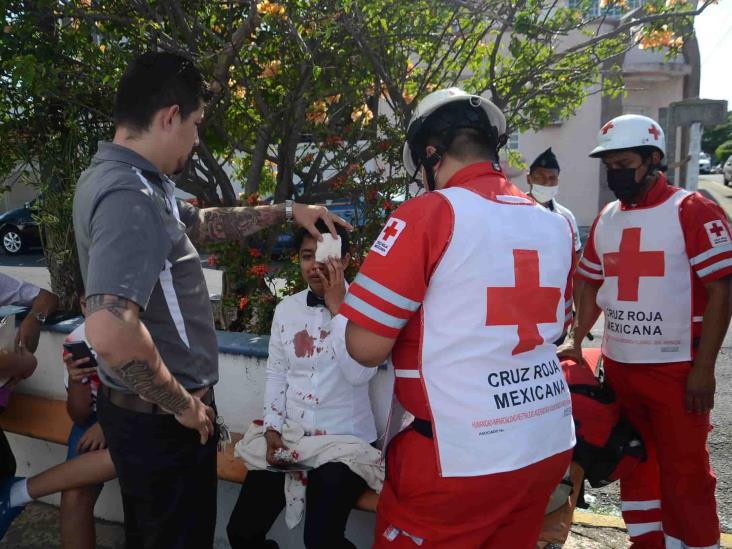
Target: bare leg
(86,470)
(77,518)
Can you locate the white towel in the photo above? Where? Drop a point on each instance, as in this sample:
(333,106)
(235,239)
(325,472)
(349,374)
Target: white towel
(314,451)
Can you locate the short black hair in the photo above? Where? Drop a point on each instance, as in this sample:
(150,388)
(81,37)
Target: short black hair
(645,151)
(472,144)
(302,233)
(156,80)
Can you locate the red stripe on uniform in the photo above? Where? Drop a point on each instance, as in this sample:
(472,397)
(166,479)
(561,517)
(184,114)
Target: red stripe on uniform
(712,260)
(381,304)
(591,270)
(365,322)
(593,281)
(717,275)
(639,517)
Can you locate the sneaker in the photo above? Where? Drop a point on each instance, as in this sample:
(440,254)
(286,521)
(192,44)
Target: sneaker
(7,513)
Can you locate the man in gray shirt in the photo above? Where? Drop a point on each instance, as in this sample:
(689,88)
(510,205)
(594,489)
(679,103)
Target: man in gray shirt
(148,314)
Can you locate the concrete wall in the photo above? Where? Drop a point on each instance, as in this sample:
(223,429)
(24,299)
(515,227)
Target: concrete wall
(239,397)
(571,141)
(652,82)
(19,193)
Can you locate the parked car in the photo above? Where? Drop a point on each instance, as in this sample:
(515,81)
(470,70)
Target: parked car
(717,168)
(705,163)
(18,230)
(727,171)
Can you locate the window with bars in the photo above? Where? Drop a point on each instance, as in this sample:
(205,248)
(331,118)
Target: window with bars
(592,8)
(513,141)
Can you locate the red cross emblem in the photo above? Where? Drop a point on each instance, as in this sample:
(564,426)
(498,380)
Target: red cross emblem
(717,229)
(653,130)
(526,305)
(629,264)
(606,128)
(391,230)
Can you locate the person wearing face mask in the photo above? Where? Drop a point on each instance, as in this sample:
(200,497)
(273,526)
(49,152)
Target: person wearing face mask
(543,180)
(658,263)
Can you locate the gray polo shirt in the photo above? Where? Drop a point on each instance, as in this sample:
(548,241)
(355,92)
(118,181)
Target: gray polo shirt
(132,242)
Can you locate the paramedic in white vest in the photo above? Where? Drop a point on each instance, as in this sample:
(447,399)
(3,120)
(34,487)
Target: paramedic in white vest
(466,288)
(657,263)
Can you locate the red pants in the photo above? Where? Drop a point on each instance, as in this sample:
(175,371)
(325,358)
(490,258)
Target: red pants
(668,501)
(491,511)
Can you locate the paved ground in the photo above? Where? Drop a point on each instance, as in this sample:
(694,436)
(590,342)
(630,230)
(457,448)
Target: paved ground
(37,528)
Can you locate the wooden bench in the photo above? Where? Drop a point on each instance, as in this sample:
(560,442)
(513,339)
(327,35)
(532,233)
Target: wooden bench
(47,419)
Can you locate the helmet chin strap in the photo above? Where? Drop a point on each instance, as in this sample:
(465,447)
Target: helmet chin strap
(651,172)
(429,164)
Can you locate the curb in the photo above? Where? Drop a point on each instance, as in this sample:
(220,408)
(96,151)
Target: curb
(608,521)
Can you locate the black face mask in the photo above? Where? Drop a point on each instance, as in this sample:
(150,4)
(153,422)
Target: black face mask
(623,184)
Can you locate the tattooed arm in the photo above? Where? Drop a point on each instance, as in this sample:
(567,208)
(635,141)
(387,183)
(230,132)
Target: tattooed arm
(114,329)
(222,224)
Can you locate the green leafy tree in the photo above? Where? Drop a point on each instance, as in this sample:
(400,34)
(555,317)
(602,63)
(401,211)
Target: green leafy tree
(724,151)
(311,97)
(714,137)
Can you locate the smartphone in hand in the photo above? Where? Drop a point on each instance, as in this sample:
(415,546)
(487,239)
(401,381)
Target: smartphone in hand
(79,350)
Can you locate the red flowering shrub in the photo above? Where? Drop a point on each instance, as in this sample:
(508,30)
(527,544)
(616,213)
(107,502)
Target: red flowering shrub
(255,279)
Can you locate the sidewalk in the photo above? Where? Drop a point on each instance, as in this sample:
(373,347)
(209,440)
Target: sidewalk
(38,528)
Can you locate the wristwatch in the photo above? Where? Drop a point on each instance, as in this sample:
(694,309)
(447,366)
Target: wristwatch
(40,317)
(288,210)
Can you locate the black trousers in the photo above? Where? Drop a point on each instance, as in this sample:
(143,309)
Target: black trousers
(332,490)
(167,478)
(7,459)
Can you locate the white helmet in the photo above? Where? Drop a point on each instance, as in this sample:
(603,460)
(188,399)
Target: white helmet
(436,100)
(627,132)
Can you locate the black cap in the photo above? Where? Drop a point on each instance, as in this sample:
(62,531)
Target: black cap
(545,160)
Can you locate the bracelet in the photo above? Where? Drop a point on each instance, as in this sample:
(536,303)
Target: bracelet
(288,210)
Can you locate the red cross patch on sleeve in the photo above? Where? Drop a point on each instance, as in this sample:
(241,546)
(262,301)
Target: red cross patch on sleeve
(717,233)
(388,236)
